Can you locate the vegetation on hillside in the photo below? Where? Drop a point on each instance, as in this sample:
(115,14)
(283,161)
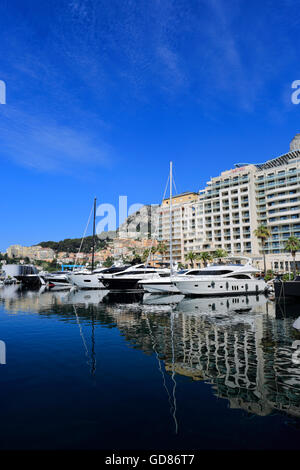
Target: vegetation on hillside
(72,245)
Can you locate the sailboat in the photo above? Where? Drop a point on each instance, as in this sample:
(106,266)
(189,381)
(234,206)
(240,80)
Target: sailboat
(85,278)
(158,284)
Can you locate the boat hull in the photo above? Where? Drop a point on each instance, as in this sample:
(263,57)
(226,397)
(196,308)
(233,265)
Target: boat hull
(30,281)
(122,284)
(160,288)
(86,281)
(221,287)
(289,289)
(59,286)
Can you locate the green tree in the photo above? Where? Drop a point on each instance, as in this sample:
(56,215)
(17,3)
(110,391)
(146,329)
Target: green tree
(263,233)
(145,255)
(269,275)
(220,253)
(108,262)
(205,257)
(162,249)
(53,265)
(292,245)
(191,257)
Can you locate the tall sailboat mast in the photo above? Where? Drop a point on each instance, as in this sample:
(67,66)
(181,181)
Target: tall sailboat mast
(171,250)
(93,250)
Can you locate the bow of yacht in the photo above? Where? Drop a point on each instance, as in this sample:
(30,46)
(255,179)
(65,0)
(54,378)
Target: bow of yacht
(87,279)
(158,284)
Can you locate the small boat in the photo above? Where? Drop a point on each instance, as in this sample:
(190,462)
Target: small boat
(57,280)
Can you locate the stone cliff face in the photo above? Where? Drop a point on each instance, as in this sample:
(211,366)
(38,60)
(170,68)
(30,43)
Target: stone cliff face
(141,224)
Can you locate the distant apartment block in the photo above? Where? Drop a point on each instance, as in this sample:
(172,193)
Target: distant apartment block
(129,248)
(232,205)
(32,252)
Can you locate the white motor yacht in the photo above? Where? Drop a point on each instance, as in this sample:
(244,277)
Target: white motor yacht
(222,279)
(129,278)
(87,279)
(165,285)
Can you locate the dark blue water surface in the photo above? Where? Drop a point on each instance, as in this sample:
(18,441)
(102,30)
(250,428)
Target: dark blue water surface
(87,370)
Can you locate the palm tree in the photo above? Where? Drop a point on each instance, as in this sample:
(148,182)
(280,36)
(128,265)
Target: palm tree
(293,245)
(162,249)
(263,233)
(220,254)
(191,257)
(145,254)
(205,257)
(148,253)
(152,251)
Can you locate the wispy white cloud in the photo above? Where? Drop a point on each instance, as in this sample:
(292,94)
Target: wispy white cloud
(48,146)
(173,71)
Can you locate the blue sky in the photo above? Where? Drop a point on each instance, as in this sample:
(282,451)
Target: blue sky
(102,94)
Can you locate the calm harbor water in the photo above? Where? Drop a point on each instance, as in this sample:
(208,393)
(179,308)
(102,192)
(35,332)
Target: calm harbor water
(92,370)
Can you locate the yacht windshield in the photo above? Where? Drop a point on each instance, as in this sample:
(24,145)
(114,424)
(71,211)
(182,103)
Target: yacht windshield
(211,272)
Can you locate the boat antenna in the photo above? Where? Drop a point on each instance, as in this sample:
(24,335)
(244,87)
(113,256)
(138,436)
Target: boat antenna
(93,250)
(83,236)
(171,185)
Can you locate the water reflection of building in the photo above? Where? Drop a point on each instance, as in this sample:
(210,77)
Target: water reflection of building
(248,361)
(238,347)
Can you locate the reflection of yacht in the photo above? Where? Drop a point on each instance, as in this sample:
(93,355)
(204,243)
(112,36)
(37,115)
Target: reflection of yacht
(90,297)
(129,278)
(76,297)
(226,279)
(156,299)
(10,292)
(222,305)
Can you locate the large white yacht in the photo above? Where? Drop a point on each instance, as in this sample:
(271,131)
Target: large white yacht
(222,279)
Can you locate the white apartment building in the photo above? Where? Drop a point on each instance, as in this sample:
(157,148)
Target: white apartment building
(227,211)
(183,224)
